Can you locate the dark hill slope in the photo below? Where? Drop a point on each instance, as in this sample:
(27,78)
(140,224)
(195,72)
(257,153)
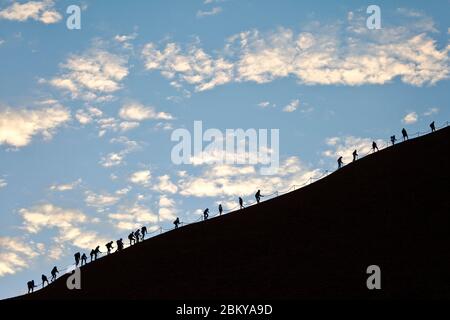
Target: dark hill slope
(391,209)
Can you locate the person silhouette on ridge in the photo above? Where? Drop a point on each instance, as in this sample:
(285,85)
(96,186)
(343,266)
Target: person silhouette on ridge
(241,203)
(92,254)
(44,280)
(355,155)
(119,244)
(96,252)
(393,139)
(109,247)
(404,134)
(77,258)
(374,146)
(176,222)
(137,235)
(340,162)
(54,272)
(433,127)
(143,232)
(83,259)
(206,214)
(131,238)
(31,286)
(220,209)
(258,196)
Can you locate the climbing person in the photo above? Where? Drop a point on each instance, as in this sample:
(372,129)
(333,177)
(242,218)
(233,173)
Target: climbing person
(31,286)
(137,235)
(258,196)
(355,155)
(206,214)
(92,254)
(143,232)
(119,244)
(404,134)
(241,203)
(433,127)
(77,258)
(131,238)
(220,209)
(109,247)
(96,252)
(340,162)
(44,280)
(54,272)
(83,259)
(374,146)
(393,139)
(176,222)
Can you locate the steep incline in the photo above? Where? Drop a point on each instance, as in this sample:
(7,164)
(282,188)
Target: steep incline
(391,209)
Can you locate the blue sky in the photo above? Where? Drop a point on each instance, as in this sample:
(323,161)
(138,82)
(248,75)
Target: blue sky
(86,115)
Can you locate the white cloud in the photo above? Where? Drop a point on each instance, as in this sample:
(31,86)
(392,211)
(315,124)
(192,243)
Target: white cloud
(324,55)
(133,217)
(42,11)
(93,76)
(410,118)
(141,177)
(113,159)
(167,210)
(264,104)
(18,126)
(431,111)
(292,106)
(125,37)
(212,12)
(165,185)
(101,200)
(3,183)
(16,254)
(2,41)
(227,180)
(139,112)
(65,186)
(85,116)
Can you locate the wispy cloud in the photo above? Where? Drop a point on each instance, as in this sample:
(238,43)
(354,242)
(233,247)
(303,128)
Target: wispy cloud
(410,118)
(18,126)
(212,12)
(42,11)
(292,106)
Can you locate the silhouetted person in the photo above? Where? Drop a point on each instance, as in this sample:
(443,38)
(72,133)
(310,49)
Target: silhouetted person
(241,203)
(258,196)
(355,155)
(143,232)
(92,254)
(374,146)
(340,162)
(176,222)
(206,214)
(44,280)
(404,134)
(131,238)
(432,126)
(77,258)
(119,244)
(393,139)
(83,259)
(54,272)
(109,246)
(31,286)
(220,209)
(137,235)
(97,252)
